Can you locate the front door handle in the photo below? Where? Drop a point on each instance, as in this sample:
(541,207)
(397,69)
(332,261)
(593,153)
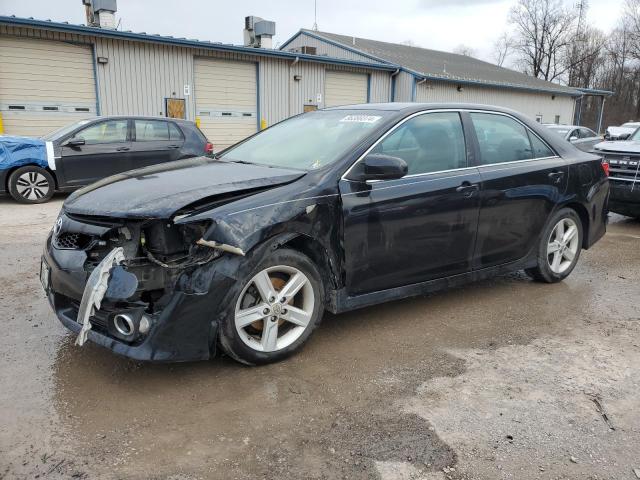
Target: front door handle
(467,188)
(122,149)
(556,177)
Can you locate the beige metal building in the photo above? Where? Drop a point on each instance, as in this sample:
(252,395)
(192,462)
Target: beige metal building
(52,74)
(425,75)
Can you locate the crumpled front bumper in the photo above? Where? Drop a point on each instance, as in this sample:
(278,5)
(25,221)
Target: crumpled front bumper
(185,329)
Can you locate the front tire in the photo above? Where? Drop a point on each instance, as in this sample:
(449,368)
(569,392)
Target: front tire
(559,247)
(276,307)
(31,184)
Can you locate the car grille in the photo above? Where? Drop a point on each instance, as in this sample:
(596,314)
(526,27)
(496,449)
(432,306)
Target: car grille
(623,167)
(71,241)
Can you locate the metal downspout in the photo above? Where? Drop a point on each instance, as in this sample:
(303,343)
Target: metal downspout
(601,115)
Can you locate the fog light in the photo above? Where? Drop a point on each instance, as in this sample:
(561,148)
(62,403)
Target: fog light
(145,325)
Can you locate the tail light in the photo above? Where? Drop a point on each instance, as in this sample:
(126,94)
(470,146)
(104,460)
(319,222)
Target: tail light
(605,167)
(208,148)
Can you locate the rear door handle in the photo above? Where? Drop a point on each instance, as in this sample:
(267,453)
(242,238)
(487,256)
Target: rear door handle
(173,147)
(123,149)
(467,188)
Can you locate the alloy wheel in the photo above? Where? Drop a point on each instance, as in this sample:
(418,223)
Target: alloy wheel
(563,245)
(32,186)
(274,309)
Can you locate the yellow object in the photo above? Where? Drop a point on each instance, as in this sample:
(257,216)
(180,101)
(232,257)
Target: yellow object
(198,122)
(263,124)
(1,125)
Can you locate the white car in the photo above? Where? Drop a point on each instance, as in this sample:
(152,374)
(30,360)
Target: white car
(622,132)
(581,137)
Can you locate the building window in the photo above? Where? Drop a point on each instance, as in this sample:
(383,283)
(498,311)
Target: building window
(539,118)
(557,122)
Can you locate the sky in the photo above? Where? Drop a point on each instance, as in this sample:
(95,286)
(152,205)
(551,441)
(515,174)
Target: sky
(435,24)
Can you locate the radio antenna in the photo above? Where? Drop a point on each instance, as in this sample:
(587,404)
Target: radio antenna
(315,15)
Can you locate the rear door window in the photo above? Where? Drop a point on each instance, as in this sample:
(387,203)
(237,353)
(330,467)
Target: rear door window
(174,132)
(503,139)
(431,142)
(151,130)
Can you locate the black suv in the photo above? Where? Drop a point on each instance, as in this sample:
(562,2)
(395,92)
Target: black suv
(88,150)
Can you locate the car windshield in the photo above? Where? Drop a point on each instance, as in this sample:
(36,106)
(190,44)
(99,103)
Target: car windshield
(635,135)
(61,132)
(308,141)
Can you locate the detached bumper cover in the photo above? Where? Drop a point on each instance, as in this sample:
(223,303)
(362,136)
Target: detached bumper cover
(185,329)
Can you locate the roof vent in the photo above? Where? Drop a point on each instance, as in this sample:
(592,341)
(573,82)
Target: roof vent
(101,13)
(258,33)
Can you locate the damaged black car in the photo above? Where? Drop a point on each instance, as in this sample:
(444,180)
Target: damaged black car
(331,210)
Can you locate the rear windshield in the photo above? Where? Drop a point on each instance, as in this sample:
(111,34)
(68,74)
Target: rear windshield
(560,131)
(308,141)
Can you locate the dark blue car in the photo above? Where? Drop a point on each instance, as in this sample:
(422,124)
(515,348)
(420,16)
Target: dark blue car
(32,169)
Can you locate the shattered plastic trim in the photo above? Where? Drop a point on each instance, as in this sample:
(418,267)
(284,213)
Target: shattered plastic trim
(95,290)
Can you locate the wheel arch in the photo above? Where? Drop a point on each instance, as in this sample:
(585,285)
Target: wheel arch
(584,220)
(47,169)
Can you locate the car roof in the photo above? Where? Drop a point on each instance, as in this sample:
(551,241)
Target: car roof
(139,117)
(411,107)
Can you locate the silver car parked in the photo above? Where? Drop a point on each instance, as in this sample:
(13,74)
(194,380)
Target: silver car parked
(581,137)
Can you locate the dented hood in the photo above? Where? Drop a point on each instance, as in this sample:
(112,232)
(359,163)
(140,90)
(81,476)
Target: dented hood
(161,190)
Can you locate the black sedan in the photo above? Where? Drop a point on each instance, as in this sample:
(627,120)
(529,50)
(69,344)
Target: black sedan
(31,169)
(335,209)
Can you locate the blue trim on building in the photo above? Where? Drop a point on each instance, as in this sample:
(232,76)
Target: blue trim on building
(94,54)
(461,81)
(393,88)
(595,91)
(99,32)
(258,113)
(413,88)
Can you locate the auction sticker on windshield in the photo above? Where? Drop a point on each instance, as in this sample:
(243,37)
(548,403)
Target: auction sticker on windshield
(361,118)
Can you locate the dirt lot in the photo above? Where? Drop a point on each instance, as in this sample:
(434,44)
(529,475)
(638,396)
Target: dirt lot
(504,379)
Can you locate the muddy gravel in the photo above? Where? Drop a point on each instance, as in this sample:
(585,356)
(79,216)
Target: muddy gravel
(502,379)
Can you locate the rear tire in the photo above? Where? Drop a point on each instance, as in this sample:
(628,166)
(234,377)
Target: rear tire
(273,309)
(31,184)
(559,247)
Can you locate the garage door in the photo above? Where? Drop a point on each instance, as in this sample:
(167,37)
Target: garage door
(226,95)
(44,85)
(345,88)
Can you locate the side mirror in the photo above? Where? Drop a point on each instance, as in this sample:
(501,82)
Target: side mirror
(378,166)
(573,139)
(75,142)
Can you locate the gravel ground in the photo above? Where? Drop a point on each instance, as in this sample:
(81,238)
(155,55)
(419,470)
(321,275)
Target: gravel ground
(503,379)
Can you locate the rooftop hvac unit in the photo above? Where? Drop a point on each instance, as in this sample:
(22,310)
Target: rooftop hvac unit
(258,33)
(101,13)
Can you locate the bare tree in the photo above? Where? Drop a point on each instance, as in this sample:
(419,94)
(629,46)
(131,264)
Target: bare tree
(464,50)
(542,36)
(502,49)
